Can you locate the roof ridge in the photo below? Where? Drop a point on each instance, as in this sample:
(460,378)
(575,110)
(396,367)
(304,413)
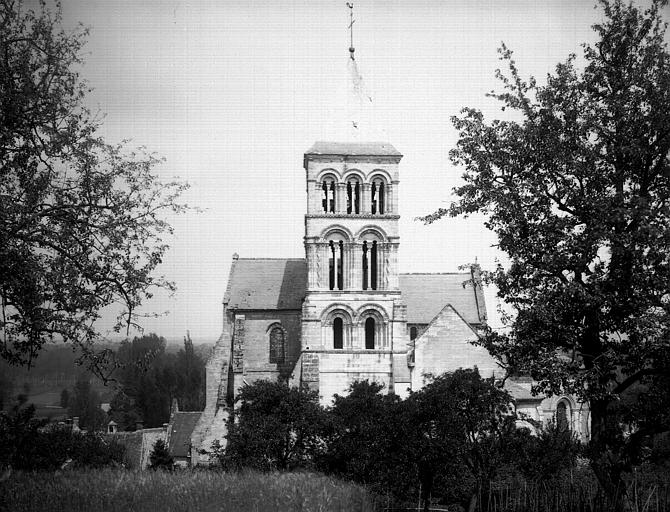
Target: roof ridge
(271,259)
(433,273)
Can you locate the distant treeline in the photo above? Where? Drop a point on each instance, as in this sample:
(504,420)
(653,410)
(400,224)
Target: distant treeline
(147,375)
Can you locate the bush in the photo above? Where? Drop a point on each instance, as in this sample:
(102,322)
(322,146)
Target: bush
(27,444)
(160,457)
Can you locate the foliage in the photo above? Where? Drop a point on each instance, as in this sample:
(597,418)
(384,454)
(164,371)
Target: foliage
(112,490)
(85,404)
(28,444)
(64,398)
(577,192)
(465,426)
(151,379)
(160,457)
(275,427)
(542,457)
(82,222)
(367,441)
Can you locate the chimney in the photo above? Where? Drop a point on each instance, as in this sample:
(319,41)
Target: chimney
(75,423)
(165,426)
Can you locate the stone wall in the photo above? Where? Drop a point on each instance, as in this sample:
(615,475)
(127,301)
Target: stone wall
(446,346)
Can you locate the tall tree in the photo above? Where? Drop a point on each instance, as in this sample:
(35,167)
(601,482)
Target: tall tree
(85,404)
(578,192)
(82,222)
(275,427)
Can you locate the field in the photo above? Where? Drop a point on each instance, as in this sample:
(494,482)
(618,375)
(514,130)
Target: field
(113,490)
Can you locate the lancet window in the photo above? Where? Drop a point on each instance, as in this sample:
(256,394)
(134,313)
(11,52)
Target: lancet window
(336,266)
(353,196)
(277,345)
(370,265)
(562,419)
(328,195)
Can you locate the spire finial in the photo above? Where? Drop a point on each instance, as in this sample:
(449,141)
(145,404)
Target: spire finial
(351,30)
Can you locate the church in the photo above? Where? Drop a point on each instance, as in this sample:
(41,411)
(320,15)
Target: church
(344,312)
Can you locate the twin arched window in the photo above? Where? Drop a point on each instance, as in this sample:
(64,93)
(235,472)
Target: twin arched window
(370,333)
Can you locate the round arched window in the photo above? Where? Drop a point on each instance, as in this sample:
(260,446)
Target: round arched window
(562,420)
(370,333)
(338,330)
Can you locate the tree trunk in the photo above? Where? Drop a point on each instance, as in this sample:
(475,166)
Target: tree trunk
(605,455)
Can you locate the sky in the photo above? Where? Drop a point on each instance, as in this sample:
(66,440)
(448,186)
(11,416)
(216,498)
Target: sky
(232,94)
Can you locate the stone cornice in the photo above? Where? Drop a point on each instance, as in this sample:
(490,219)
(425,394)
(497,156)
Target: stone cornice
(351,216)
(387,159)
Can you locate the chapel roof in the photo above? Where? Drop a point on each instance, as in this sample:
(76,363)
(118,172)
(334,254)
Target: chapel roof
(353,149)
(183,424)
(279,283)
(266,283)
(426,294)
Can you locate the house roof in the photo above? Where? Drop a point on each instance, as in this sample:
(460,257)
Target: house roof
(426,295)
(272,284)
(266,284)
(520,392)
(353,148)
(181,429)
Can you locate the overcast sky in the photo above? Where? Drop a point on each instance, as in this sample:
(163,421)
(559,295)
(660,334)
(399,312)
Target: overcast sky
(233,93)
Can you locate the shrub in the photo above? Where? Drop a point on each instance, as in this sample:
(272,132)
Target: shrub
(160,457)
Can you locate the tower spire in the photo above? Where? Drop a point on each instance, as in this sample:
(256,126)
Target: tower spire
(351,30)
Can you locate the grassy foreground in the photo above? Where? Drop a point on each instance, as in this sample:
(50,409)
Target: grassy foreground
(113,490)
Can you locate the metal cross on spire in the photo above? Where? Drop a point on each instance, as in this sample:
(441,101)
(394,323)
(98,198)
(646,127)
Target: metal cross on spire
(351,30)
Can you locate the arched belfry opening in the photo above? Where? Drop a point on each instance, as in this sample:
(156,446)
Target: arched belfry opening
(353,196)
(328,186)
(336,265)
(370,265)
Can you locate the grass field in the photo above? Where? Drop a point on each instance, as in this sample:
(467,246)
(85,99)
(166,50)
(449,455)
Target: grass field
(114,490)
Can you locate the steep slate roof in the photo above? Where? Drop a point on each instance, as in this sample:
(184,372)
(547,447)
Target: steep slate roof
(259,283)
(426,294)
(353,149)
(520,392)
(182,427)
(271,284)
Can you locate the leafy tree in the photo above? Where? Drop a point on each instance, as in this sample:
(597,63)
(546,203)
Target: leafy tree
(18,431)
(81,221)
(124,412)
(151,378)
(369,441)
(64,398)
(85,403)
(464,423)
(542,457)
(577,191)
(275,427)
(160,457)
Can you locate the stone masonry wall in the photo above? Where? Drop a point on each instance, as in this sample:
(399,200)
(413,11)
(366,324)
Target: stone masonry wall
(446,346)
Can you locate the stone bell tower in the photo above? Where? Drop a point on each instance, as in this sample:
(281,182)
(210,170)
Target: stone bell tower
(353,318)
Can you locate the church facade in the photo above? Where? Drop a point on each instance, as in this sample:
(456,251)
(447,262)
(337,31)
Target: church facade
(344,312)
